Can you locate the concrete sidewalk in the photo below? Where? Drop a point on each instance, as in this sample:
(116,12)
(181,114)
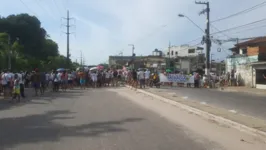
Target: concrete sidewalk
(247,120)
(243,89)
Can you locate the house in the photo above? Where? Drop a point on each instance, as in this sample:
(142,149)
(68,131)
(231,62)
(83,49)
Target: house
(185,58)
(156,60)
(182,51)
(249,60)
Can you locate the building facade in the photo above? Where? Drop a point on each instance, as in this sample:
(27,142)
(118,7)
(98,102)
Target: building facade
(185,58)
(182,51)
(156,60)
(249,61)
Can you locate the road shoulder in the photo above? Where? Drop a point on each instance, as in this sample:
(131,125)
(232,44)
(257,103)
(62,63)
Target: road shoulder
(214,131)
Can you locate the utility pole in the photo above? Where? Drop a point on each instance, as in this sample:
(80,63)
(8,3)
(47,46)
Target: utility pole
(68,33)
(169,49)
(67,38)
(81,59)
(207,37)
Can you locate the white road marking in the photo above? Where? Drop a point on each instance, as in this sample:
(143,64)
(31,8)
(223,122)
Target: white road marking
(172,93)
(233,111)
(203,103)
(185,97)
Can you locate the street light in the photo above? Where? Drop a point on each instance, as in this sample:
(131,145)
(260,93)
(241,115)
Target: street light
(184,16)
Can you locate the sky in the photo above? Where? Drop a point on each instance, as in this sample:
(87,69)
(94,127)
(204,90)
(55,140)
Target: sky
(106,27)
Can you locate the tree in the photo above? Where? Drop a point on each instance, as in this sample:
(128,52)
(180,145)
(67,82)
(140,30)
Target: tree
(30,44)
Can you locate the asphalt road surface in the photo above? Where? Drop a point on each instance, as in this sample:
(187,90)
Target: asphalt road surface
(253,105)
(92,119)
(102,119)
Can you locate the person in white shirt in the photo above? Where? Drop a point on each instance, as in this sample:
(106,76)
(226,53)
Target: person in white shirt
(21,84)
(4,83)
(94,79)
(55,81)
(141,76)
(147,77)
(107,77)
(7,77)
(70,80)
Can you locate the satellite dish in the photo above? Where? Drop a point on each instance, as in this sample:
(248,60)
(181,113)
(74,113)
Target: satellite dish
(219,49)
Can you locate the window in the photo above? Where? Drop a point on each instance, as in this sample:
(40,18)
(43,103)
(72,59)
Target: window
(176,53)
(191,50)
(167,53)
(172,53)
(244,51)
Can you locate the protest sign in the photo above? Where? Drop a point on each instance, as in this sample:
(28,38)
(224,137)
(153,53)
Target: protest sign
(177,78)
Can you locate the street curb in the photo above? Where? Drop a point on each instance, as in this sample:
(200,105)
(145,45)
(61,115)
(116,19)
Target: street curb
(210,116)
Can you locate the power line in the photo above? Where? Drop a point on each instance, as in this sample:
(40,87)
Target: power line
(57,7)
(239,26)
(28,7)
(242,12)
(219,31)
(253,28)
(45,9)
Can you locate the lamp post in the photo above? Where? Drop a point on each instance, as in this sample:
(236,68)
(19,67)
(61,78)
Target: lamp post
(184,16)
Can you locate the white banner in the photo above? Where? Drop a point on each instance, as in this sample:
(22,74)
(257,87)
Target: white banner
(178,78)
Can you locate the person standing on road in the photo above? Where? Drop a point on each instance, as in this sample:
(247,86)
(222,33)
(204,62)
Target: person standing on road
(82,80)
(196,80)
(43,82)
(107,78)
(141,76)
(70,80)
(36,81)
(94,79)
(47,80)
(147,77)
(21,78)
(135,79)
(16,89)
(115,76)
(4,83)
(56,81)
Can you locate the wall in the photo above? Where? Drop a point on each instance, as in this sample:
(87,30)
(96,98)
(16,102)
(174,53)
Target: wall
(252,51)
(242,66)
(181,51)
(185,65)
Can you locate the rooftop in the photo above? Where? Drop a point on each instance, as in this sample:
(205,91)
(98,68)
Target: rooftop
(255,41)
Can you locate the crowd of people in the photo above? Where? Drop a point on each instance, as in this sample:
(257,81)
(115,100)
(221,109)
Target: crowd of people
(13,83)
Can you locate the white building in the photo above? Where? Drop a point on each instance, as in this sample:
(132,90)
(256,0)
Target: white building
(182,51)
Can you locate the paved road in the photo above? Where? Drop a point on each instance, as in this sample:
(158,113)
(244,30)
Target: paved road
(248,104)
(93,120)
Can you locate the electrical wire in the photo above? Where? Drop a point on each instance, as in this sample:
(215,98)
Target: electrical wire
(250,29)
(241,12)
(45,10)
(226,30)
(28,8)
(56,5)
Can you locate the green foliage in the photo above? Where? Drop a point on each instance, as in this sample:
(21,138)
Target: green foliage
(29,44)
